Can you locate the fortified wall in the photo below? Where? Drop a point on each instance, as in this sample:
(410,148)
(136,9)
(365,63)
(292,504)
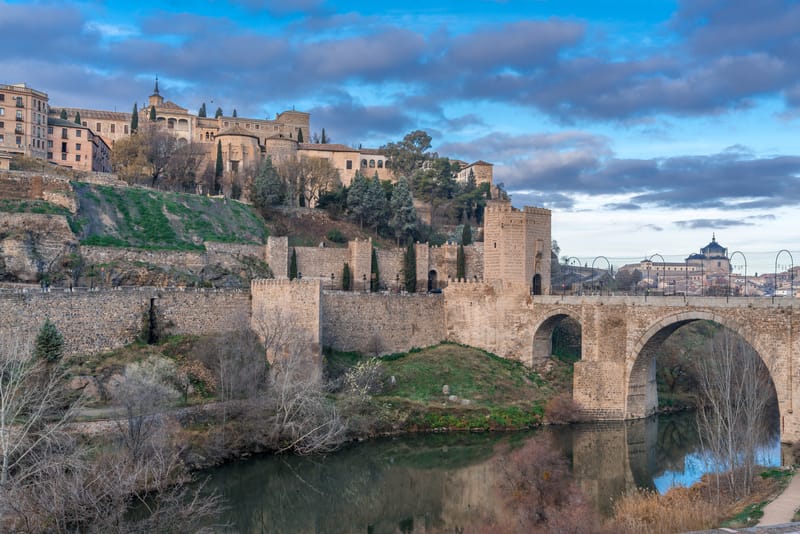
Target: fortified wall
(97,321)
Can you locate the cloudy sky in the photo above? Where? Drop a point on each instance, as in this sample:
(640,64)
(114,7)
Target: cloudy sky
(644,125)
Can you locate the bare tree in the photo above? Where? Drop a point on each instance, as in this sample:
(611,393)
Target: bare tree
(182,169)
(735,396)
(307,178)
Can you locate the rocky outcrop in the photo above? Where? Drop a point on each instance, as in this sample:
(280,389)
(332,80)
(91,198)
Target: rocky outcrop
(34,245)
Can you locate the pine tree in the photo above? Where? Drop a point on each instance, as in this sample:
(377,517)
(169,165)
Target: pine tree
(346,277)
(293,265)
(466,235)
(375,204)
(461,264)
(324,139)
(202,112)
(152,114)
(234,113)
(268,188)
(218,168)
(404,216)
(135,118)
(77,117)
(357,197)
(49,342)
(374,280)
(218,113)
(64,114)
(410,268)
(299,135)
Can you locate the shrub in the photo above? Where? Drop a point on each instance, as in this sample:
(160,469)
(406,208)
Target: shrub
(49,342)
(561,409)
(679,510)
(336,236)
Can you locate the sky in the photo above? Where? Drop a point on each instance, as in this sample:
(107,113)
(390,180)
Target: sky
(646,126)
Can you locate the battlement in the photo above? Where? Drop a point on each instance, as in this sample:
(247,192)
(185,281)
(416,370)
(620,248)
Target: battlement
(500,206)
(537,211)
(273,282)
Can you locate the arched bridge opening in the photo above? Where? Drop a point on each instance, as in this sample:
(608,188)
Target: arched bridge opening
(725,355)
(558,335)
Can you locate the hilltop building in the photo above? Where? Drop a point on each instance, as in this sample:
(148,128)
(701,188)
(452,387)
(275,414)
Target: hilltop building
(23,122)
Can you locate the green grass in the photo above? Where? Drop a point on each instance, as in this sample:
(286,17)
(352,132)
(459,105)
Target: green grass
(148,219)
(32,206)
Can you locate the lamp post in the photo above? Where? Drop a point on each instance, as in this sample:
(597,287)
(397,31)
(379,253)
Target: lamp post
(791,273)
(663,270)
(731,270)
(364,277)
(333,284)
(570,263)
(609,269)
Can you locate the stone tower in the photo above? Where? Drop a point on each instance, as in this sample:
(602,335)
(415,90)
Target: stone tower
(517,245)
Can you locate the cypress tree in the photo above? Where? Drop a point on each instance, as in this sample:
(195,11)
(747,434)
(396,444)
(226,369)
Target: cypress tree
(218,113)
(410,268)
(64,114)
(324,139)
(49,342)
(268,188)
(293,265)
(461,264)
(234,113)
(77,117)
(202,112)
(135,118)
(374,280)
(357,197)
(152,114)
(404,217)
(218,168)
(346,277)
(466,235)
(299,135)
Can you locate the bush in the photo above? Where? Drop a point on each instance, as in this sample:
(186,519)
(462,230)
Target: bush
(561,409)
(49,343)
(679,510)
(336,236)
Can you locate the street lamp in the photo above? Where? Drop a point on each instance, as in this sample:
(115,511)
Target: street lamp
(791,272)
(731,269)
(609,269)
(364,277)
(570,262)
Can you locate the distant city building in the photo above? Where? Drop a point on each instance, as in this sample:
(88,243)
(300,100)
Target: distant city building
(23,121)
(76,146)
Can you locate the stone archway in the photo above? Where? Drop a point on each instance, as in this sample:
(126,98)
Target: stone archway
(641,396)
(543,335)
(536,284)
(433,282)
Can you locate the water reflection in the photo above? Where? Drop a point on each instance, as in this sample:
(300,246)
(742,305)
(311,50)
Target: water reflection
(449,482)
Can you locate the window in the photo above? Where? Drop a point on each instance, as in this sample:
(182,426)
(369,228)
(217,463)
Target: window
(49,155)
(77,146)
(19,115)
(77,157)
(19,101)
(364,163)
(84,123)
(125,129)
(2,139)
(49,143)
(49,130)
(77,133)
(2,111)
(372,164)
(19,129)
(2,125)
(63,156)
(113,128)
(2,97)
(349,164)
(99,127)
(64,133)
(380,163)
(63,147)
(19,141)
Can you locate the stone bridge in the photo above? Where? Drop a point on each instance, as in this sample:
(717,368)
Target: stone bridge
(615,378)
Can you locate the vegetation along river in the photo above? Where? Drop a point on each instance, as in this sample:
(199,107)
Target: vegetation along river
(464,481)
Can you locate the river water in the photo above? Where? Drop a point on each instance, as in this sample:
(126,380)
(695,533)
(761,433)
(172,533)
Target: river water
(449,482)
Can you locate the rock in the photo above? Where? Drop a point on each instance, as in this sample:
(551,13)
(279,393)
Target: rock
(392,381)
(466,402)
(87,385)
(445,389)
(453,398)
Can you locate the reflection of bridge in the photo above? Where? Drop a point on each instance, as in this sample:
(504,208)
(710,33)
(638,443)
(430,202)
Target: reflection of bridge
(615,378)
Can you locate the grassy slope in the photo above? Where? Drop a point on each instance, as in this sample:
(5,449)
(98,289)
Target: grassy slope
(144,218)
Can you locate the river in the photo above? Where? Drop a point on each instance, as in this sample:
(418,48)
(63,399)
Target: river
(444,482)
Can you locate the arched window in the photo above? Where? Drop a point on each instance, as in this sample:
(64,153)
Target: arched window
(363,163)
(380,163)
(372,164)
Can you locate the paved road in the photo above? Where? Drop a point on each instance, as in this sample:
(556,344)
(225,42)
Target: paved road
(782,509)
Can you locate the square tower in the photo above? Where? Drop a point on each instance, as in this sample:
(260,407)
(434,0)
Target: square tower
(517,245)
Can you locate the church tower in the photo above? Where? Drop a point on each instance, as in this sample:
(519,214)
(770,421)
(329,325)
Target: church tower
(156,99)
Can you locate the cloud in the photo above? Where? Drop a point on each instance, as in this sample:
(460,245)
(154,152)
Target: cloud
(347,120)
(720,224)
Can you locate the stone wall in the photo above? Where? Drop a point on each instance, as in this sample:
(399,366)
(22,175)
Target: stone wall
(32,244)
(381,323)
(289,310)
(96,321)
(25,185)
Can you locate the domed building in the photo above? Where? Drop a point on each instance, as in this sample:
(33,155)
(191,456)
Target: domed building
(712,259)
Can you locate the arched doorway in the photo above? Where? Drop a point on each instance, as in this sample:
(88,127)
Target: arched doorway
(433,283)
(559,335)
(536,284)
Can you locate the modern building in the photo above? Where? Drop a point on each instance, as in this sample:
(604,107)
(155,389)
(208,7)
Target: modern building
(75,146)
(23,121)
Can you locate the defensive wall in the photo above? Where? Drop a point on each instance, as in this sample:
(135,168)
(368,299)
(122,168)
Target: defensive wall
(97,321)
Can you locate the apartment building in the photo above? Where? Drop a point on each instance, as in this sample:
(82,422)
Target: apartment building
(23,121)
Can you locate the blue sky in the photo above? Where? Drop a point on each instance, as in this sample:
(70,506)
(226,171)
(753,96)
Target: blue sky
(644,126)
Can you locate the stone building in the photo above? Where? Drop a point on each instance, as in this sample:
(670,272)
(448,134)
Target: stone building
(75,146)
(480,170)
(23,121)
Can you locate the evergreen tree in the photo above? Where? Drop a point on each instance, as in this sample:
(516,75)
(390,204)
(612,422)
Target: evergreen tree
(466,235)
(234,113)
(77,117)
(218,113)
(218,168)
(152,114)
(202,112)
(374,280)
(461,264)
(135,118)
(268,188)
(64,114)
(324,139)
(410,268)
(375,204)
(357,197)
(293,265)
(49,342)
(404,216)
(299,135)
(346,277)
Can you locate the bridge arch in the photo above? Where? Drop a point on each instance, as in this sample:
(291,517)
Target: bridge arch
(642,396)
(543,333)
